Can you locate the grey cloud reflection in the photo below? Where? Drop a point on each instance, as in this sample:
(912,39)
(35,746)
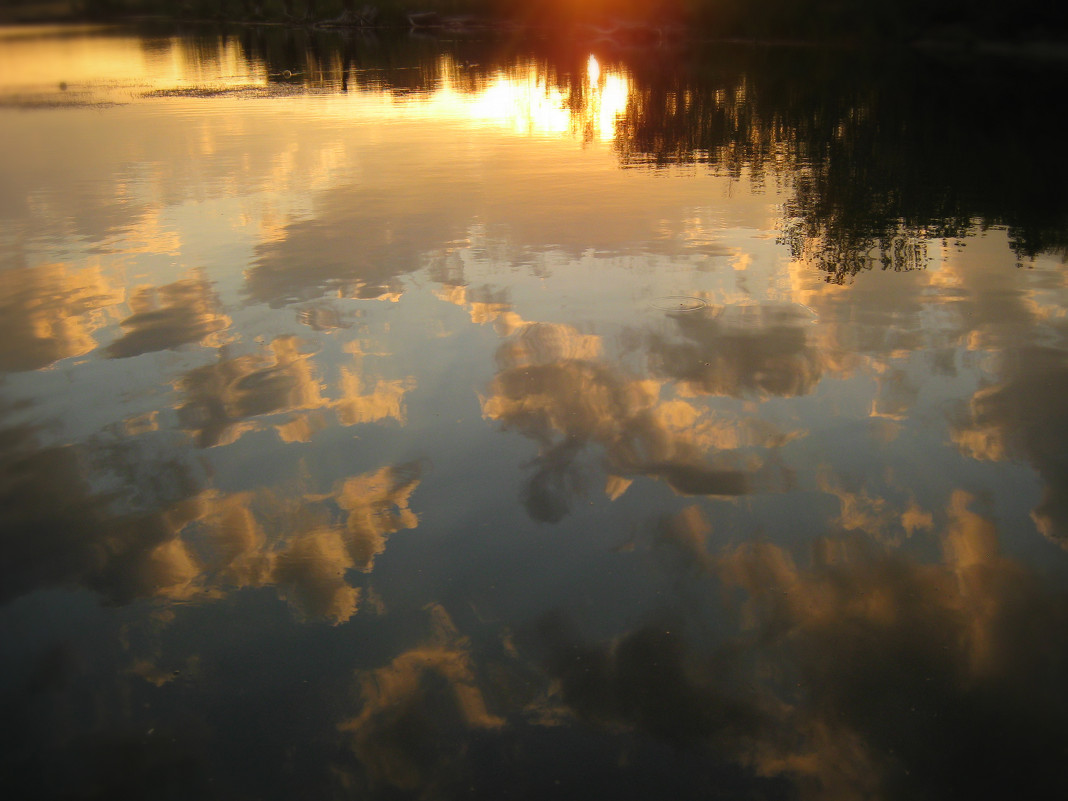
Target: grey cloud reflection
(165,317)
(552,387)
(359,244)
(1023,416)
(865,675)
(745,350)
(55,530)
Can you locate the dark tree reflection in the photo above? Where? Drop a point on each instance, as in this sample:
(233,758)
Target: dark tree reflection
(880,154)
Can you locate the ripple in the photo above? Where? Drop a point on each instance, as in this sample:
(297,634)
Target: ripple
(679,303)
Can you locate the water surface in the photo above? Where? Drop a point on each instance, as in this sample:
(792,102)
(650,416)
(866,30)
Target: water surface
(408,418)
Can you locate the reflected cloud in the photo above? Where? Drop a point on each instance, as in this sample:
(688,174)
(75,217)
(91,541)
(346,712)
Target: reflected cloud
(190,543)
(359,245)
(223,398)
(895,395)
(249,540)
(310,574)
(385,401)
(412,732)
(1024,417)
(237,395)
(167,317)
(884,519)
(484,305)
(915,679)
(377,506)
(551,387)
(739,351)
(49,312)
(56,530)
(323,317)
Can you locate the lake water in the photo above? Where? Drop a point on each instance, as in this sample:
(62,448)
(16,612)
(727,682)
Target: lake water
(395,417)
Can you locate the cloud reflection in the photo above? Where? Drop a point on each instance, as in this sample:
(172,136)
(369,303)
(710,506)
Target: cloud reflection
(166,317)
(552,387)
(417,710)
(225,400)
(865,675)
(50,312)
(1024,417)
(746,350)
(239,543)
(187,542)
(55,530)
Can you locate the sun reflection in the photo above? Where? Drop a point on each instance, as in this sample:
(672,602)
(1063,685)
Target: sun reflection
(524,101)
(525,98)
(527,101)
(593,70)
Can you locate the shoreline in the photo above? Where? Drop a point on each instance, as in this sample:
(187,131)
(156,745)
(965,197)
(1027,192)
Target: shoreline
(620,33)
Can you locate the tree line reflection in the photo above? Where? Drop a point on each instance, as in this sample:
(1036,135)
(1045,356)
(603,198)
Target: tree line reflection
(881,153)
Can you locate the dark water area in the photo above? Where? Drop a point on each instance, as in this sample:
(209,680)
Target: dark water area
(399,417)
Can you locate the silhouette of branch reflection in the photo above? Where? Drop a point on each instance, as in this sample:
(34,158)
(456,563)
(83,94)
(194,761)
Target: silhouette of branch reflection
(876,156)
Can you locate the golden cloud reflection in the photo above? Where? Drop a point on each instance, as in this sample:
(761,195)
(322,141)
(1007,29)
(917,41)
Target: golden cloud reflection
(246,393)
(881,518)
(416,709)
(844,679)
(484,305)
(553,387)
(242,543)
(896,658)
(178,542)
(219,543)
(50,311)
(223,398)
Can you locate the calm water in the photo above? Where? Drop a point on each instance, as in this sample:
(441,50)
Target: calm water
(399,418)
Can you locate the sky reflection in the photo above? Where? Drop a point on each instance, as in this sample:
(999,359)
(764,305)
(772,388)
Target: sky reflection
(355,441)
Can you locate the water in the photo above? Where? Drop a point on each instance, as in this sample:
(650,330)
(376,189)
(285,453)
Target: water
(407,418)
